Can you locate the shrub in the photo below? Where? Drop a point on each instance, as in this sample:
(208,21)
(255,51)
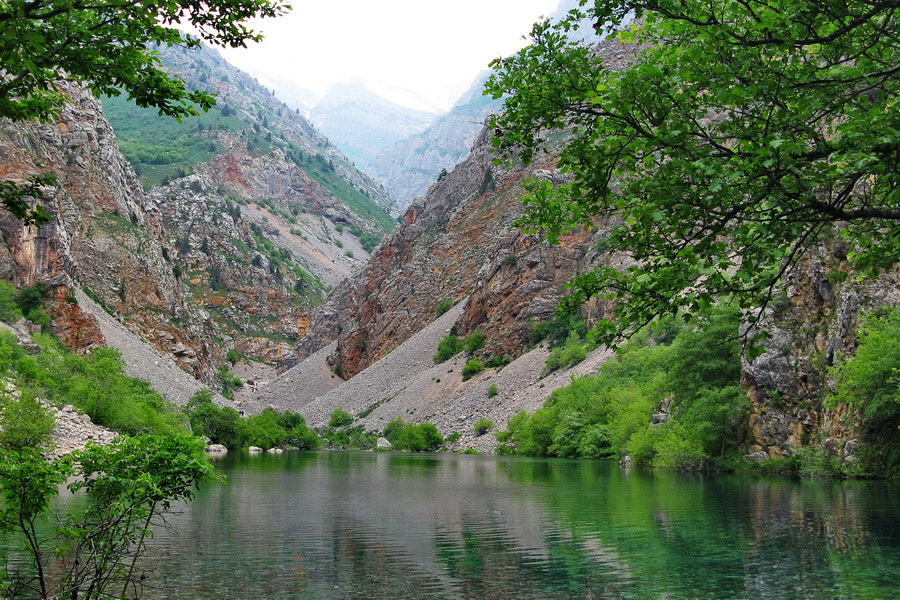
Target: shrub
(24,422)
(482,426)
(870,381)
(448,347)
(95,384)
(413,438)
(233,356)
(570,354)
(697,373)
(492,390)
(9,309)
(474,341)
(31,297)
(340,418)
(229,382)
(443,306)
(472,367)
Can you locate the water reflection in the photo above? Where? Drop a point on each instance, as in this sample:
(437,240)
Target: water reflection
(362,525)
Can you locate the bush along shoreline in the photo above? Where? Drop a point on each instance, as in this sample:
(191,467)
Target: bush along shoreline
(671,398)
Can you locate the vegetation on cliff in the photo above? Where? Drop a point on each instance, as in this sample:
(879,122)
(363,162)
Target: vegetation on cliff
(670,398)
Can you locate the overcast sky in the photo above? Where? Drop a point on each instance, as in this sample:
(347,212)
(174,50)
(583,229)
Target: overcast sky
(423,53)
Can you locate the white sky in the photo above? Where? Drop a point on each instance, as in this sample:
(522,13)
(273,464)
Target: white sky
(422,53)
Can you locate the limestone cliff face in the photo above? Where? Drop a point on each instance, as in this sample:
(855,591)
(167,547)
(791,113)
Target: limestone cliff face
(104,236)
(813,323)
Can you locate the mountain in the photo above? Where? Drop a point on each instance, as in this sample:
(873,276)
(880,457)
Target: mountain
(361,123)
(369,347)
(248,218)
(409,167)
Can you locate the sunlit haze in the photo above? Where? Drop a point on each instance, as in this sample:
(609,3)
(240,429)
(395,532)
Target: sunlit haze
(419,53)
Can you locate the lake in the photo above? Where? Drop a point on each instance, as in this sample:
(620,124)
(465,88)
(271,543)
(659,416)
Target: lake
(404,526)
(364,525)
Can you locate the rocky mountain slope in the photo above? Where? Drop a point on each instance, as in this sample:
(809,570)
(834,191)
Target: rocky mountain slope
(229,257)
(105,238)
(361,123)
(377,330)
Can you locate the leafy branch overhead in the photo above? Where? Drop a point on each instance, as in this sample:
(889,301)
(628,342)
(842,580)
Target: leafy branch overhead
(105,45)
(738,136)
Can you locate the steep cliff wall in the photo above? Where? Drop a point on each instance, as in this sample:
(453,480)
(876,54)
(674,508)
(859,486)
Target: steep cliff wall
(460,241)
(104,237)
(813,324)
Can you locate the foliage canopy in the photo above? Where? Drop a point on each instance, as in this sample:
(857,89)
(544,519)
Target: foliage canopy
(735,137)
(105,46)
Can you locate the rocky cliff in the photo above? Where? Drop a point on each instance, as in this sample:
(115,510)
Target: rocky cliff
(813,324)
(105,237)
(459,242)
(229,257)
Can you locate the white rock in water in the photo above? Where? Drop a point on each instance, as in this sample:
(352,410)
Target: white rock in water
(275,451)
(216,449)
(254,450)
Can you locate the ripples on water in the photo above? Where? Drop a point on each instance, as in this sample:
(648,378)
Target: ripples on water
(395,526)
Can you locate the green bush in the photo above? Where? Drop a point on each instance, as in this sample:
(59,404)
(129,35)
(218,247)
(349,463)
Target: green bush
(443,306)
(869,380)
(474,341)
(696,370)
(24,423)
(472,367)
(31,297)
(492,390)
(566,356)
(413,438)
(9,310)
(350,438)
(230,383)
(340,418)
(96,384)
(448,347)
(219,424)
(557,330)
(482,426)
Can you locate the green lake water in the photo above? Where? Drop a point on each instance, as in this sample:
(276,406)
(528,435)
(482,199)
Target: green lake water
(401,526)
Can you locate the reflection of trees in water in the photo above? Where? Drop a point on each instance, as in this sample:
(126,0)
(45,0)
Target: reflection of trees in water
(405,526)
(696,536)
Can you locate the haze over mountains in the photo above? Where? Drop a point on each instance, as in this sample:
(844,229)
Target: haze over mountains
(362,124)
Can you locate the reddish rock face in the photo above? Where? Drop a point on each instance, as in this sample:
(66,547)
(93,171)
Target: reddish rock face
(459,241)
(104,235)
(76,329)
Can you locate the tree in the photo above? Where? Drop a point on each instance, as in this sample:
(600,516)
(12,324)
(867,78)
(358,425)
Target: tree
(736,137)
(107,47)
(131,485)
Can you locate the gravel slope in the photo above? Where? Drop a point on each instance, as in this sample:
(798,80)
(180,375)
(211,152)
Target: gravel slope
(142,361)
(406,383)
